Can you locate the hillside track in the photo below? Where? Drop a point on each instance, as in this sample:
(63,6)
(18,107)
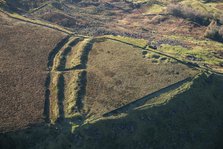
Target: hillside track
(158,52)
(54,52)
(60,59)
(28,20)
(40,7)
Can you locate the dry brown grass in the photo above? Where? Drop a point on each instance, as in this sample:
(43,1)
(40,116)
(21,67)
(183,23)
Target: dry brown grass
(118,74)
(186,12)
(74,58)
(23,63)
(102,20)
(71,92)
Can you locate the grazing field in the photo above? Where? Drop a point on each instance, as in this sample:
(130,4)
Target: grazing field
(118,74)
(23,68)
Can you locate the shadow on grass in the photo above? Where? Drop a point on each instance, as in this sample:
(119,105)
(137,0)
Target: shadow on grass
(143,100)
(65,53)
(46,111)
(82,91)
(193,119)
(56,49)
(60,101)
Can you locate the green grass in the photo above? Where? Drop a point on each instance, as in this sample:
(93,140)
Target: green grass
(200,48)
(203,7)
(70,93)
(155,9)
(157,58)
(59,55)
(138,42)
(75,56)
(188,117)
(54,109)
(173,120)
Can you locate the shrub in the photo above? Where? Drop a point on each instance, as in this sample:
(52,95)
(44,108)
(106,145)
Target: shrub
(214,31)
(186,12)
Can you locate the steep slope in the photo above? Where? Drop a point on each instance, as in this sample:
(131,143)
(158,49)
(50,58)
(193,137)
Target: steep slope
(189,117)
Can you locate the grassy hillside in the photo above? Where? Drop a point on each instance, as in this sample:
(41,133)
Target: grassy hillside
(21,5)
(188,117)
(109,83)
(24,54)
(128,74)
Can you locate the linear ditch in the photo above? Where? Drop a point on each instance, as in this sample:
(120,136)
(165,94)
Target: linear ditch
(55,82)
(67,50)
(189,64)
(60,95)
(82,77)
(46,111)
(143,100)
(47,104)
(82,82)
(41,7)
(57,48)
(85,53)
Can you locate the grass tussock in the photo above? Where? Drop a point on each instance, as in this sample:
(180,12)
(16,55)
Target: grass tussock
(186,12)
(214,31)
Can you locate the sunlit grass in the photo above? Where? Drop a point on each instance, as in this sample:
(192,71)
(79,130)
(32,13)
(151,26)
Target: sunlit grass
(138,42)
